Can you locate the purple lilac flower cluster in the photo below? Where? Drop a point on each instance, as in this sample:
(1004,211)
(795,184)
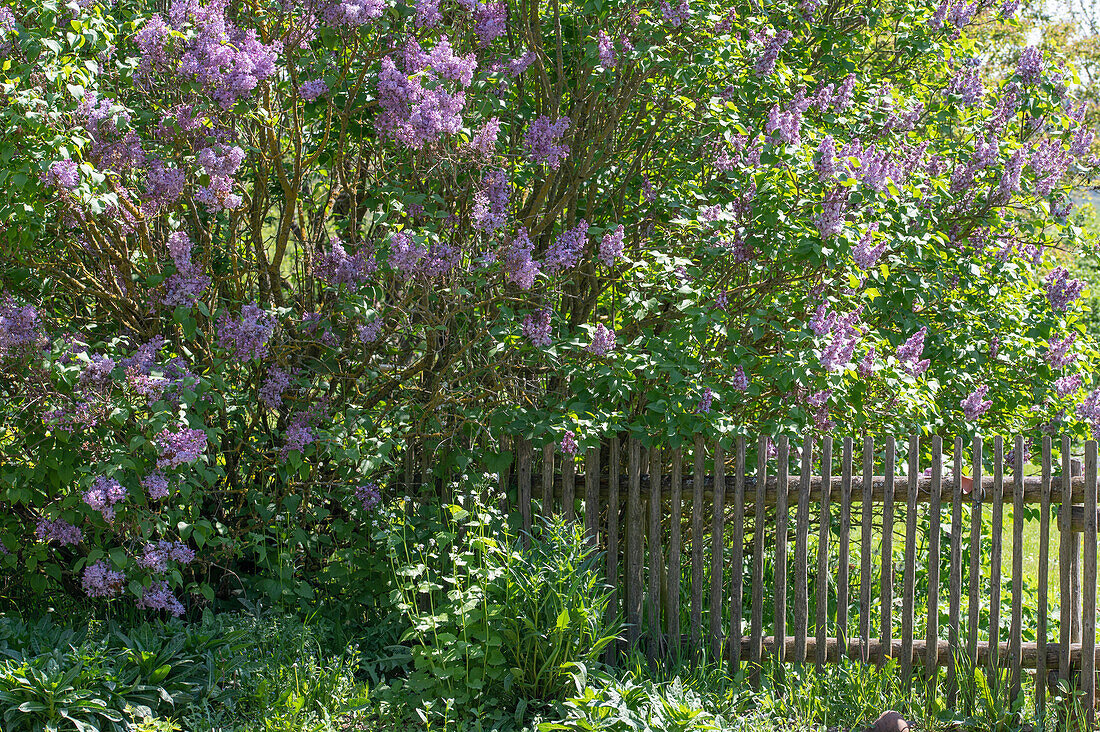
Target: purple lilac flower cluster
(569,443)
(1058,352)
(536,327)
(7,28)
(96,375)
(63,174)
(368,496)
(99,580)
(370,332)
(155,556)
(603,341)
(675,16)
(565,253)
(248,337)
(336,267)
(57,530)
(1062,291)
(21,333)
(520,269)
(312,90)
(1067,385)
(975,405)
(180,446)
(865,255)
(818,404)
(271,391)
(611,246)
(842,332)
(187,284)
(740,379)
(413,259)
(484,141)
(490,210)
(765,62)
(909,353)
(104,495)
(705,402)
(155,485)
(543,141)
(1030,66)
(490,21)
(220,162)
(158,596)
(412,113)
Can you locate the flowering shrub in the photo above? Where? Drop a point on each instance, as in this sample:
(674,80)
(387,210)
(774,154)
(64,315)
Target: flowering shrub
(251,254)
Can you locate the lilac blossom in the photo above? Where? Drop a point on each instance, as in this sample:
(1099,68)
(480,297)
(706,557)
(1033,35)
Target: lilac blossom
(569,444)
(490,210)
(155,485)
(427,13)
(96,375)
(180,446)
(490,21)
(967,83)
(1062,291)
(865,255)
(785,124)
(158,596)
(103,495)
(866,366)
(765,62)
(740,379)
(313,89)
(974,406)
(484,140)
(606,47)
(1067,385)
(675,16)
(603,341)
(1058,352)
(519,268)
(536,327)
(336,267)
(543,141)
(62,532)
(368,496)
(611,246)
(248,337)
(1030,66)
(156,556)
(64,174)
(370,332)
(565,253)
(826,163)
(413,114)
(21,333)
(843,335)
(705,402)
(830,221)
(99,580)
(271,392)
(909,353)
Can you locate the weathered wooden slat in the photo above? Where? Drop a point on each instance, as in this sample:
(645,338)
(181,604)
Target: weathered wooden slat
(592,495)
(568,486)
(995,558)
(656,560)
(801,560)
(931,635)
(843,601)
(865,541)
(716,551)
(975,574)
(1088,585)
(548,479)
(908,595)
(699,455)
(633,579)
(1042,583)
(737,569)
(941,653)
(757,621)
(675,543)
(613,519)
(886,593)
(780,579)
(1015,634)
(954,589)
(1065,552)
(823,531)
(523,478)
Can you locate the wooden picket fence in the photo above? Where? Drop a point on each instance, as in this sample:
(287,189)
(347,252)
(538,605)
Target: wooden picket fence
(669,500)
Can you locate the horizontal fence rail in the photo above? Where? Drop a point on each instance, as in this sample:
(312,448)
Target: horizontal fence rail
(717,549)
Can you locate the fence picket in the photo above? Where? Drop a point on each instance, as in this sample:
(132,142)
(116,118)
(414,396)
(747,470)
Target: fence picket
(995,562)
(843,600)
(909,580)
(568,486)
(716,565)
(801,560)
(592,495)
(548,479)
(756,642)
(633,579)
(1044,562)
(1015,640)
(523,477)
(699,455)
(955,582)
(1088,584)
(656,560)
(737,561)
(613,519)
(1065,551)
(824,529)
(672,612)
(865,539)
(932,632)
(781,517)
(886,593)
(975,574)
